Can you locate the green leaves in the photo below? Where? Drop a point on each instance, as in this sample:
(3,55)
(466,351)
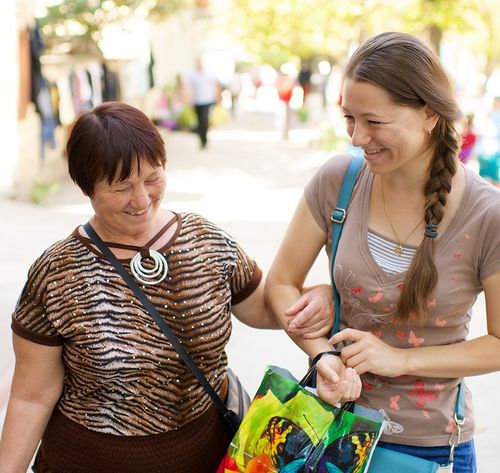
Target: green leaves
(86,18)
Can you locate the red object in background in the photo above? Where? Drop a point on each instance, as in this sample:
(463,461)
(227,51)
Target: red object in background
(285,88)
(468,142)
(469,139)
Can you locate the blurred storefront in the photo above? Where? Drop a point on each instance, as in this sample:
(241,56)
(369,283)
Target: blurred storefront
(135,60)
(11,24)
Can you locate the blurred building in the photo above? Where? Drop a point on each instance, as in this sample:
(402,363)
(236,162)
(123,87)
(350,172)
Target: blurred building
(134,61)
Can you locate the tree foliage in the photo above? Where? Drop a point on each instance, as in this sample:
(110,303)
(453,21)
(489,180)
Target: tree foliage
(279,31)
(87,17)
(436,17)
(487,41)
(275,32)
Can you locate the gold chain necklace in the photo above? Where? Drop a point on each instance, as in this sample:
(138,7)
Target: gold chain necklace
(398,249)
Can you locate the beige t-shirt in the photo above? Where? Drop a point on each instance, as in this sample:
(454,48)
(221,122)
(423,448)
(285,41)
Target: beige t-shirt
(467,252)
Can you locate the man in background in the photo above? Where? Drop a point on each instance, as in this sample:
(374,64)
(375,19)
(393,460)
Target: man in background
(203,91)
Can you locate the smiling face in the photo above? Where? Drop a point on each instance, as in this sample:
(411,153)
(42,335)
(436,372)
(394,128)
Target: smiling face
(392,136)
(127,209)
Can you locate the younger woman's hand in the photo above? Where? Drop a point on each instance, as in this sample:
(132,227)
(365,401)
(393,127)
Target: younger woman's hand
(311,316)
(367,353)
(336,383)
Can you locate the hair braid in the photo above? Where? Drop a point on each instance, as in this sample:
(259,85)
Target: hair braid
(412,75)
(422,272)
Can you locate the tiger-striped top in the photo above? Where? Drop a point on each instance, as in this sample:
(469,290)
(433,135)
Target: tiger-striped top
(122,376)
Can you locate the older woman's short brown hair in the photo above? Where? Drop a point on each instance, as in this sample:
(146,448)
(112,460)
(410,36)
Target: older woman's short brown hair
(105,142)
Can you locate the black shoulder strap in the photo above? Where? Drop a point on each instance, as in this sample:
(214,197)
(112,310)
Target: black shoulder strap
(227,415)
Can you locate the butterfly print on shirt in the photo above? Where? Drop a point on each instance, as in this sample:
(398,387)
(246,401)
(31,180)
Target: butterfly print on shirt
(423,396)
(414,340)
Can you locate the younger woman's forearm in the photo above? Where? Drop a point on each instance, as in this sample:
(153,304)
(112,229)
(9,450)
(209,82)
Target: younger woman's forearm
(282,297)
(469,358)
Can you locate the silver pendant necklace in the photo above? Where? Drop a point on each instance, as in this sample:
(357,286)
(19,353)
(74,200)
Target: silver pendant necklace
(150,274)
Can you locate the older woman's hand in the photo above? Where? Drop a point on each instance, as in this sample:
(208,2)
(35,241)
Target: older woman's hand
(336,383)
(311,316)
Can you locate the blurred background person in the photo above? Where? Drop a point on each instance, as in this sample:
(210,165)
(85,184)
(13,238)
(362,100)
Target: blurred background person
(489,145)
(469,139)
(234,88)
(284,85)
(203,91)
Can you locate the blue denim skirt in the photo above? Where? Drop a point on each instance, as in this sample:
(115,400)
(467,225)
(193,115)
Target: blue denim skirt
(464,460)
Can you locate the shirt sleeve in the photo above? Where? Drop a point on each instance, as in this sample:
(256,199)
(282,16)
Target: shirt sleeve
(29,319)
(321,192)
(246,277)
(245,274)
(490,250)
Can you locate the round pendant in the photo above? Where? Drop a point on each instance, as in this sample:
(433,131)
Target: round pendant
(153,275)
(398,250)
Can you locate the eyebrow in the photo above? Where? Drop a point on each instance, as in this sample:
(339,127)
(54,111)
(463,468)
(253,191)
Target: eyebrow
(154,173)
(366,114)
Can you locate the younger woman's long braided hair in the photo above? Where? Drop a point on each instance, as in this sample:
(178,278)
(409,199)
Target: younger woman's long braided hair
(413,76)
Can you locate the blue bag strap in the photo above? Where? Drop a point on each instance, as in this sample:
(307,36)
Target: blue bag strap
(337,217)
(459,420)
(460,405)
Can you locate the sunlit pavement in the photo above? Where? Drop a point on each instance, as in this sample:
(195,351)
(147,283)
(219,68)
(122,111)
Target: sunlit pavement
(248,181)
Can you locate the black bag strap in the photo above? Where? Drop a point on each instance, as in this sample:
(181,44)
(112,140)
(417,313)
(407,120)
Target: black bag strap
(228,416)
(311,372)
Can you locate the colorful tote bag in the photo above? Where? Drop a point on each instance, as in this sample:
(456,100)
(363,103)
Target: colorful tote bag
(288,429)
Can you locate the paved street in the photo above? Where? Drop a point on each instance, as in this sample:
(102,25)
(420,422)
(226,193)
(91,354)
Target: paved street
(248,181)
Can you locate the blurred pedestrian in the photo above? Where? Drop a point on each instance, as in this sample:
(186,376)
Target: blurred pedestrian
(469,139)
(284,85)
(488,152)
(305,74)
(203,93)
(234,87)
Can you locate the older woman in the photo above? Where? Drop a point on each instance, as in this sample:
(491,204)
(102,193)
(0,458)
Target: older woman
(95,377)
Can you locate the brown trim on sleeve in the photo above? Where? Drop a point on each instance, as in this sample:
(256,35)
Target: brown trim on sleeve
(49,340)
(249,288)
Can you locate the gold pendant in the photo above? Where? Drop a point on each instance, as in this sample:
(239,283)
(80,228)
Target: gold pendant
(398,250)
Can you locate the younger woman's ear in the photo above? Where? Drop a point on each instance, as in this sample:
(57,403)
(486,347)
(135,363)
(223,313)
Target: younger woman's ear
(431,119)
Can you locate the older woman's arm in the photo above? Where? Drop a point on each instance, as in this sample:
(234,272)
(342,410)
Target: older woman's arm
(253,310)
(310,316)
(36,388)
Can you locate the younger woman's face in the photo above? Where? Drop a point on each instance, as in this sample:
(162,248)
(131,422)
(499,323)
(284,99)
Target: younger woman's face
(392,136)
